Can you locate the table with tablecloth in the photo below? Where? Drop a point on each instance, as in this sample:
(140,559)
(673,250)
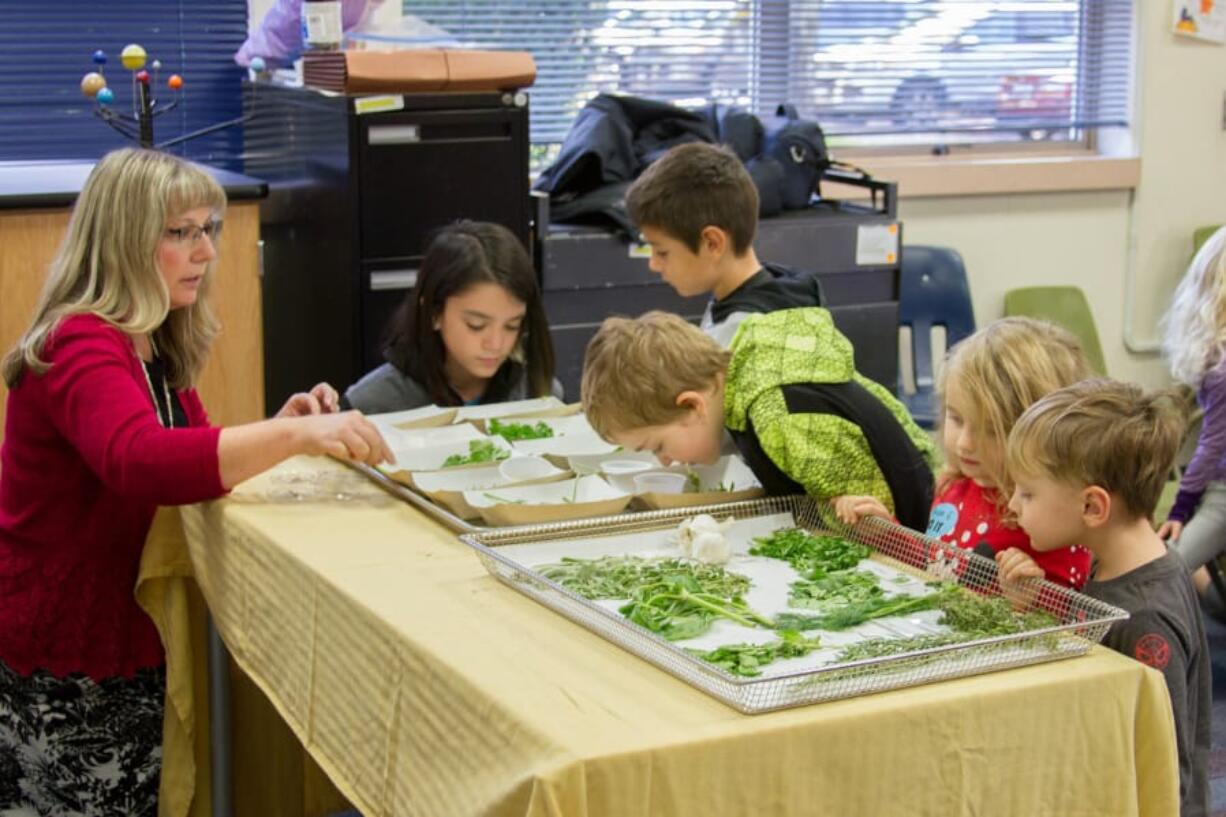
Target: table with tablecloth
(421,685)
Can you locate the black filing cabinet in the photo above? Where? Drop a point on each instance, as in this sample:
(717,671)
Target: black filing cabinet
(353,199)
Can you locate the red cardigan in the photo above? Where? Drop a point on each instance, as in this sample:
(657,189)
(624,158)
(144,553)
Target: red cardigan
(84,465)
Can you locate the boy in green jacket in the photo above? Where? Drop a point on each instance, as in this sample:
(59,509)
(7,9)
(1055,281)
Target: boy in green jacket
(787,390)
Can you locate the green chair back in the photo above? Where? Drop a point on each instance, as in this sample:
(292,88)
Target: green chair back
(1064,306)
(1201,234)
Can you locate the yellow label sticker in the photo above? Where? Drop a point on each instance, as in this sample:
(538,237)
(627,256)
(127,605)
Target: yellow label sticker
(378,104)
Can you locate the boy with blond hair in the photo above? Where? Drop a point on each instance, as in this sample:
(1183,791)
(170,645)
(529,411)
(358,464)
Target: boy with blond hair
(802,417)
(697,208)
(1088,463)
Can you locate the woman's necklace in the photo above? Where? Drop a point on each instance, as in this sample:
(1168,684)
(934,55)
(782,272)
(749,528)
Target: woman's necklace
(169,420)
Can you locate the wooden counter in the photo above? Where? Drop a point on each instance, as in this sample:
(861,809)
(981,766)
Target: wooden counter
(35,203)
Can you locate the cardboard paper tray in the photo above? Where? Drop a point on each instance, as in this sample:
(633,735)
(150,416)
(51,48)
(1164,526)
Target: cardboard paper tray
(1083,620)
(460,525)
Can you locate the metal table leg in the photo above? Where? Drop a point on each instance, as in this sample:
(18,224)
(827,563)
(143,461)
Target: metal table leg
(219,725)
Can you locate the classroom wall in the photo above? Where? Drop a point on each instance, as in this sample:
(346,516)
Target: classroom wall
(1098,240)
(1090,239)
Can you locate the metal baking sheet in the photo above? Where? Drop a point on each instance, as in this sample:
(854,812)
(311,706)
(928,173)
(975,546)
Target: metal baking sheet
(1082,621)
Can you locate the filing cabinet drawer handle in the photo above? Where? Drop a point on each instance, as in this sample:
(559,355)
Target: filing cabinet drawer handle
(393,279)
(394,134)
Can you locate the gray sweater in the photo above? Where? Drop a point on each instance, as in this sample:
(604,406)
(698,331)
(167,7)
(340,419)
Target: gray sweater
(388,389)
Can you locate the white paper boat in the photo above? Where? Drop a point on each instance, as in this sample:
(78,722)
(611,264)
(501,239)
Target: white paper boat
(561,426)
(421,417)
(548,502)
(432,458)
(514,408)
(447,487)
(400,439)
(562,448)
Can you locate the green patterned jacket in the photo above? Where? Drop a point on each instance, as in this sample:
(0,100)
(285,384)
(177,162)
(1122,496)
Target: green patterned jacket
(804,419)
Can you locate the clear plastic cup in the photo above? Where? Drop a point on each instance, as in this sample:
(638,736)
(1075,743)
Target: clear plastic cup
(660,482)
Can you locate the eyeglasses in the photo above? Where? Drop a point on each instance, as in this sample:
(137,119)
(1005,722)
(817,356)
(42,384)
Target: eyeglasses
(190,233)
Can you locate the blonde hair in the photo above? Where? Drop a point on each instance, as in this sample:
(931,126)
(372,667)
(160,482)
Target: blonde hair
(1102,432)
(635,368)
(999,372)
(1194,328)
(107,263)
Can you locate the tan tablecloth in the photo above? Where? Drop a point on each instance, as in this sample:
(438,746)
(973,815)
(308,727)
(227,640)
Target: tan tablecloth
(423,686)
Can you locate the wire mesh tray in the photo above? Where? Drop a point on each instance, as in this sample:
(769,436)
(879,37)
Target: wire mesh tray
(1082,621)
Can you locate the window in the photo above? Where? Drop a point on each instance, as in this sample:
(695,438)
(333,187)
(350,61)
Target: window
(870,71)
(46,47)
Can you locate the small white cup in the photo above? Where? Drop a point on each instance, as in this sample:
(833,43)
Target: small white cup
(522,469)
(660,482)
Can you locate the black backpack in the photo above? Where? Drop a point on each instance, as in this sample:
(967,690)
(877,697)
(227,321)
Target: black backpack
(799,147)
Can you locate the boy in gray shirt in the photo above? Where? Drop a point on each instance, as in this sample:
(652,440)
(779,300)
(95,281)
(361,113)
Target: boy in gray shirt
(1089,462)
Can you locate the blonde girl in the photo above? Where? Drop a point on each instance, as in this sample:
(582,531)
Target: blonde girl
(1194,337)
(989,379)
(103,425)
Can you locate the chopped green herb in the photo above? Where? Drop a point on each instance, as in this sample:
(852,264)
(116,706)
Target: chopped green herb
(478,451)
(520,431)
(503,499)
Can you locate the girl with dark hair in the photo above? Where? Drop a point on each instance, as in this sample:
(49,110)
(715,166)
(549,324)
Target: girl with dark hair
(471,331)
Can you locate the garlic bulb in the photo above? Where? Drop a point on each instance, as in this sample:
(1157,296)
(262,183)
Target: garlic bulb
(703,524)
(711,548)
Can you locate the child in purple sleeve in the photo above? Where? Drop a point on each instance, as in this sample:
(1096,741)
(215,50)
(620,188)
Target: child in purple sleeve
(1194,332)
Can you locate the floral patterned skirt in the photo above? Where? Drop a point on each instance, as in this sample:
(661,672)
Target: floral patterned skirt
(73,746)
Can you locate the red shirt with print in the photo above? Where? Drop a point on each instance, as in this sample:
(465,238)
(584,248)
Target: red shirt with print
(965,514)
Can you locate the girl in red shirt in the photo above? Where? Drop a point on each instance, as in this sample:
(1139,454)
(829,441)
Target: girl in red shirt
(103,425)
(988,381)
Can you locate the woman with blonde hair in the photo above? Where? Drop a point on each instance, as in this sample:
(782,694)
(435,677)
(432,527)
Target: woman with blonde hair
(989,379)
(103,425)
(1194,341)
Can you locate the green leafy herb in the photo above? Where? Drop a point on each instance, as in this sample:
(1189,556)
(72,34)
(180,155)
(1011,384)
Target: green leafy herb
(478,451)
(846,616)
(748,659)
(520,431)
(617,577)
(809,554)
(987,616)
(881,647)
(679,609)
(834,590)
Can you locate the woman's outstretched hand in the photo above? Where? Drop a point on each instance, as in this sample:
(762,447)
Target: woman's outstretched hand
(321,399)
(347,435)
